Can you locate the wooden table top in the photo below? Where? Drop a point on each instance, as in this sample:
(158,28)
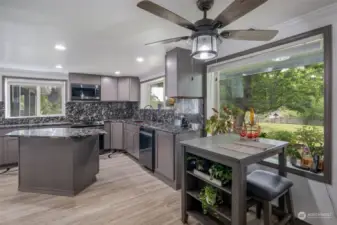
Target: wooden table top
(233,149)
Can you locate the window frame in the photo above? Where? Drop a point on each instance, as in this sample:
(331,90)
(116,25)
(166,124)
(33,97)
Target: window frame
(36,83)
(326,32)
(149,89)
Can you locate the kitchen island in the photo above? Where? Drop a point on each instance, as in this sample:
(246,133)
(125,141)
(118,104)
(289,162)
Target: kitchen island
(57,161)
(228,150)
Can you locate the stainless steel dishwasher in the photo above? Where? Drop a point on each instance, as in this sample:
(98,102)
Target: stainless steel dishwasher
(147,147)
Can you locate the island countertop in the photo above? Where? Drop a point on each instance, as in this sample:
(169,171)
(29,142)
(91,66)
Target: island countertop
(57,132)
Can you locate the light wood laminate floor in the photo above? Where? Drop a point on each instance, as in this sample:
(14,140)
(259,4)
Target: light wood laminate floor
(124,194)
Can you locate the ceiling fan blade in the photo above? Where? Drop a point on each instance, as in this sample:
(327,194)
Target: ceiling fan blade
(249,35)
(166,41)
(165,14)
(236,10)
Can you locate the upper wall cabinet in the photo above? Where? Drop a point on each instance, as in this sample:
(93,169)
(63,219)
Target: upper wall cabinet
(77,78)
(183,74)
(109,89)
(128,89)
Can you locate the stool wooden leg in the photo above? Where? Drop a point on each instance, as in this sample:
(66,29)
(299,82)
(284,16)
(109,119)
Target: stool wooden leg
(290,207)
(267,213)
(258,210)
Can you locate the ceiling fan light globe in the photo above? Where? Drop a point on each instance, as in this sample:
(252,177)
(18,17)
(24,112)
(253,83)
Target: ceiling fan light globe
(204,47)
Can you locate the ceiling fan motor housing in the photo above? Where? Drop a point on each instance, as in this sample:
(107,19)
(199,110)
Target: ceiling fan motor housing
(205,5)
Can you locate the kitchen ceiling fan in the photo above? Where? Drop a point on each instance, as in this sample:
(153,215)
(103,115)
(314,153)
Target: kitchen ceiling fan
(205,32)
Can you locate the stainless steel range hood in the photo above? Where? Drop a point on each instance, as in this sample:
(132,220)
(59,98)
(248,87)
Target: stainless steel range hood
(183,74)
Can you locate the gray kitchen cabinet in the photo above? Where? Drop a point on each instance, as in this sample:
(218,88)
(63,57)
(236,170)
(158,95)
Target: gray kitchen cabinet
(2,152)
(117,137)
(135,90)
(136,145)
(123,89)
(78,78)
(107,137)
(109,89)
(129,141)
(164,156)
(183,74)
(128,89)
(11,150)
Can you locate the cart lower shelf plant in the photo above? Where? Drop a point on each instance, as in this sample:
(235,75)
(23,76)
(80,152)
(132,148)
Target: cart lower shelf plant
(209,198)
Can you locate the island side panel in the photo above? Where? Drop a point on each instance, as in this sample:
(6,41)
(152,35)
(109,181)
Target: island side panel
(86,162)
(46,165)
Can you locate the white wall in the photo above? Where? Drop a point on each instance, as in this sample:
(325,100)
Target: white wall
(311,196)
(29,74)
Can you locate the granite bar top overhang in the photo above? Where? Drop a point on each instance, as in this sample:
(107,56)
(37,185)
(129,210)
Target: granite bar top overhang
(57,132)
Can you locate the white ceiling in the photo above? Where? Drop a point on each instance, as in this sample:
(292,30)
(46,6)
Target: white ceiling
(103,36)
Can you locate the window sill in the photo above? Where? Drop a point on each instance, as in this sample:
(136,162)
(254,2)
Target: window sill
(273,163)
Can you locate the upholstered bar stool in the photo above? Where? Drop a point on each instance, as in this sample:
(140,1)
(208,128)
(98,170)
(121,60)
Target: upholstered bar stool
(265,186)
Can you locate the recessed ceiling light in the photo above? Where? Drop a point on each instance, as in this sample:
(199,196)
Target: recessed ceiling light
(140,59)
(59,66)
(118,72)
(60,47)
(282,58)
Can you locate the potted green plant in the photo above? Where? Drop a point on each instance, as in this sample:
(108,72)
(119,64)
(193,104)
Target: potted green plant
(219,123)
(292,149)
(293,153)
(209,198)
(220,174)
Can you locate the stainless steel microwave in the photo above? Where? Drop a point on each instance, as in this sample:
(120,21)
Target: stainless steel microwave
(85,92)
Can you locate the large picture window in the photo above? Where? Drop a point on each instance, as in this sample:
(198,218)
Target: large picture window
(287,87)
(34,98)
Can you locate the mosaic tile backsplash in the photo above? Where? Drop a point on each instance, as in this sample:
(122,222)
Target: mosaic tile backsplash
(97,111)
(77,111)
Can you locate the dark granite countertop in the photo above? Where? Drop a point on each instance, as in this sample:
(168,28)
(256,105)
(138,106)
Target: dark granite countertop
(4,126)
(57,132)
(170,128)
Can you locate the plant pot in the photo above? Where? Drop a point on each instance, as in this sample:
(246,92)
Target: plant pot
(293,160)
(207,177)
(211,201)
(191,164)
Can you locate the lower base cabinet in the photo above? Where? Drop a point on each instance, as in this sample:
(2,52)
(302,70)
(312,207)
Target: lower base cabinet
(164,155)
(11,150)
(131,140)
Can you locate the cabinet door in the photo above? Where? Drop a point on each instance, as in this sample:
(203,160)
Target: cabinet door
(165,154)
(171,74)
(107,137)
(130,141)
(135,90)
(11,150)
(136,145)
(2,151)
(117,135)
(109,89)
(123,89)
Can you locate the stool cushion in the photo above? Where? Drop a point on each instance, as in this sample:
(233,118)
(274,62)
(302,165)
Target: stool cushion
(266,185)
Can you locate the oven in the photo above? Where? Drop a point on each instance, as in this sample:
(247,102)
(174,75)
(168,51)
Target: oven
(85,92)
(147,147)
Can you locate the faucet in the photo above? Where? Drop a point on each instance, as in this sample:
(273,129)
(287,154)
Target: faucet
(148,106)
